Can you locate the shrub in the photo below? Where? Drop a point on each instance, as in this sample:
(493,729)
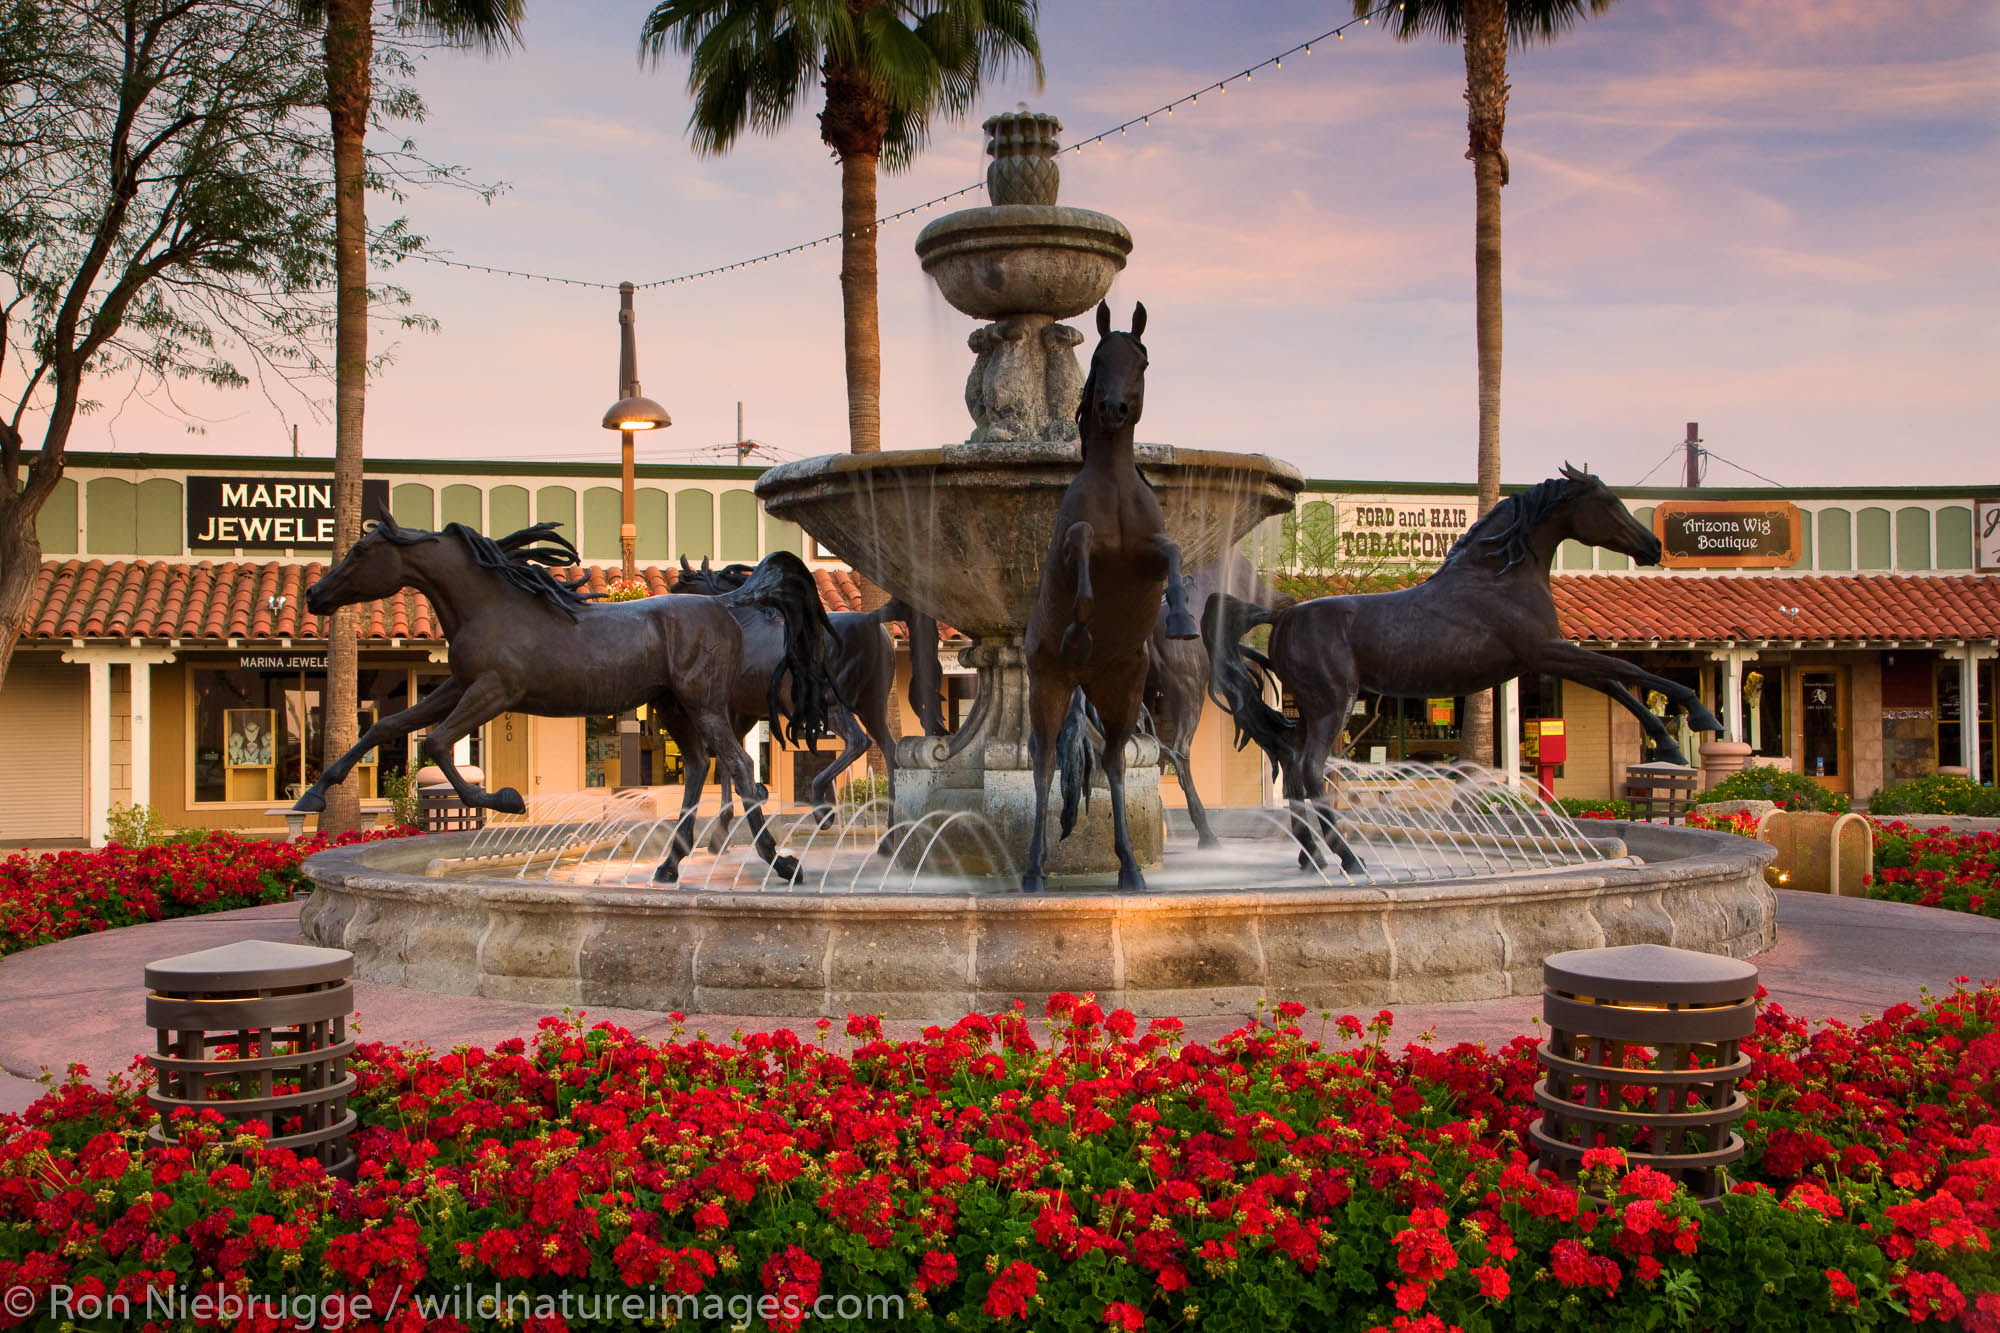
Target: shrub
(862,790)
(401,791)
(46,897)
(1937,868)
(1593,807)
(1936,794)
(1794,791)
(1104,1174)
(135,825)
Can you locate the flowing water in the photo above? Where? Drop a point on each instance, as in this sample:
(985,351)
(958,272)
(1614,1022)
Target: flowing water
(1408,822)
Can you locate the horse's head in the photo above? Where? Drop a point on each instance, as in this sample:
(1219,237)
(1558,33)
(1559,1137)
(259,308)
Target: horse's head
(1597,517)
(706,582)
(1115,391)
(373,567)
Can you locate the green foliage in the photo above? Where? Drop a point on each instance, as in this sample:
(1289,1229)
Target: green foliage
(1594,807)
(862,790)
(754,62)
(401,791)
(136,825)
(1936,794)
(1794,791)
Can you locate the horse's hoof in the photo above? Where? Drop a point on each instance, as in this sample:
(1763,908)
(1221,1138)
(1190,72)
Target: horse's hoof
(717,842)
(311,801)
(1208,842)
(886,847)
(1351,864)
(1702,719)
(1130,880)
(1075,646)
(1180,625)
(1034,882)
(786,868)
(1666,752)
(667,873)
(508,802)
(825,814)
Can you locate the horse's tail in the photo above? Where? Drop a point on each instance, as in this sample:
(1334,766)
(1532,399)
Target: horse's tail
(1234,685)
(782,583)
(1073,761)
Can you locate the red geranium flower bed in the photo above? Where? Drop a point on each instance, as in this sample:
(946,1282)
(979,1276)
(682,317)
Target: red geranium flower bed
(51,896)
(1101,1174)
(1937,868)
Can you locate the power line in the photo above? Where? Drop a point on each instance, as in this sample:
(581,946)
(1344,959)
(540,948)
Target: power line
(1662,463)
(1706,453)
(1140,121)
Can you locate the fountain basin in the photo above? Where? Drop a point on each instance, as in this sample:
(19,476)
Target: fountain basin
(961,531)
(1014,259)
(935,956)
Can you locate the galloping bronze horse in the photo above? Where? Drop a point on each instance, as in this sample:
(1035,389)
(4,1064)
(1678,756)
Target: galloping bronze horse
(860,656)
(523,640)
(1484,618)
(1107,567)
(1177,675)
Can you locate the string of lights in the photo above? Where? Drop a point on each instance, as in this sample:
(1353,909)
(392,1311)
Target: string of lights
(1141,121)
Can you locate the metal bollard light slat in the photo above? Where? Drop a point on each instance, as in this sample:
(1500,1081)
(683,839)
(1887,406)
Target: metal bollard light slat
(281,1010)
(1643,1054)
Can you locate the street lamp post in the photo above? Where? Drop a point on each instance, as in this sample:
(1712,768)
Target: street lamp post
(632,412)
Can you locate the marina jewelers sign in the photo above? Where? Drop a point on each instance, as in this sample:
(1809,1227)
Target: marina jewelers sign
(1737,534)
(225,513)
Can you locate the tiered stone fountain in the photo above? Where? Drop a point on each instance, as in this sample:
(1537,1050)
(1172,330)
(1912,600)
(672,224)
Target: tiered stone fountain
(961,531)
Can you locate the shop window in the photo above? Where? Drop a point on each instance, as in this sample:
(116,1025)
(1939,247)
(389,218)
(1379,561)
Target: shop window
(260,735)
(600,752)
(1765,690)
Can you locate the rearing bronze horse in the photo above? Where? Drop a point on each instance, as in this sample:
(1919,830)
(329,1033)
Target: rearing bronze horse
(1107,567)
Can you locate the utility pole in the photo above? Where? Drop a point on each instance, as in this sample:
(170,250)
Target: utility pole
(1694,456)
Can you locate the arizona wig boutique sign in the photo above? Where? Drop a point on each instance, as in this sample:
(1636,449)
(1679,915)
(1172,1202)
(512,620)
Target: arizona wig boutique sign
(1736,534)
(225,513)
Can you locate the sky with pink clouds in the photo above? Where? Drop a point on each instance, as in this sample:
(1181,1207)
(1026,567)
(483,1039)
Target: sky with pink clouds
(1775,218)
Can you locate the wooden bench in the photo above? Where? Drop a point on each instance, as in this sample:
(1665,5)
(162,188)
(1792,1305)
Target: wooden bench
(1661,791)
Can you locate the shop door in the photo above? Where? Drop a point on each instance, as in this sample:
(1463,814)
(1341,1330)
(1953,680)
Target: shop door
(42,753)
(1826,752)
(507,752)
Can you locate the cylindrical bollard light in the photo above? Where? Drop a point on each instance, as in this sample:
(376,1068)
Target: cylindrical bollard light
(281,1011)
(1642,1054)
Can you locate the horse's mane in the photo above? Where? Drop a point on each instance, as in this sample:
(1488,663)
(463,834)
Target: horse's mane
(1507,526)
(521,558)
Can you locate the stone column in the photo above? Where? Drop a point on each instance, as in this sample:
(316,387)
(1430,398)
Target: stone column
(1510,731)
(100,751)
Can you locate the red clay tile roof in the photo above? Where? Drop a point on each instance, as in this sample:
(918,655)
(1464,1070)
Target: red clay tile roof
(148,599)
(1849,608)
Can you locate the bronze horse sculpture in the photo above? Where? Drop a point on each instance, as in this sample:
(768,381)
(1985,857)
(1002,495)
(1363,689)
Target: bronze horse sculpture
(1177,675)
(1108,565)
(860,656)
(1485,617)
(523,640)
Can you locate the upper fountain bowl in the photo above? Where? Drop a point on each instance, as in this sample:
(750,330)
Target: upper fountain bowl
(1018,259)
(961,532)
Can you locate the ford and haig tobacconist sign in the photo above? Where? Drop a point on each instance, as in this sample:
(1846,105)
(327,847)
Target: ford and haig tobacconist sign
(1728,533)
(224,513)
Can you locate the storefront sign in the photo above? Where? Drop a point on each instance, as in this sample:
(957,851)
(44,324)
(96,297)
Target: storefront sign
(1986,536)
(1394,532)
(224,513)
(1730,534)
(281,662)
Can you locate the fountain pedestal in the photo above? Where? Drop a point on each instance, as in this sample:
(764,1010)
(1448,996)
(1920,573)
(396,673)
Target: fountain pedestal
(985,767)
(961,532)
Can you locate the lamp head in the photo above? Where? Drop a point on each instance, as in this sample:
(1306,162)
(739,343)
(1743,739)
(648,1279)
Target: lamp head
(636,414)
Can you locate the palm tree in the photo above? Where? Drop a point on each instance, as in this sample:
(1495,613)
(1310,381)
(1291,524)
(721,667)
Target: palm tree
(1487,28)
(490,26)
(886,66)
